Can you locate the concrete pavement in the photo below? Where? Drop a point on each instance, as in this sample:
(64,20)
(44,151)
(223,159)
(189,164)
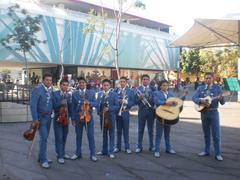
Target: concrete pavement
(186,138)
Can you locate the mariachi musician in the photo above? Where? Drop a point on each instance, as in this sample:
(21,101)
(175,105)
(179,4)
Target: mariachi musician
(144,99)
(126,101)
(62,109)
(83,101)
(41,108)
(160,98)
(107,107)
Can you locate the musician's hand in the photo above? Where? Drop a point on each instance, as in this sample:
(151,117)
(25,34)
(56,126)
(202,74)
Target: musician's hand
(170,103)
(204,102)
(105,109)
(141,96)
(86,101)
(125,101)
(64,101)
(73,123)
(120,101)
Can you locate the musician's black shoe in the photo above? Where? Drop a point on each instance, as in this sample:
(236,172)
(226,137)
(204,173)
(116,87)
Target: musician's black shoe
(203,154)
(157,154)
(219,158)
(171,151)
(100,153)
(49,161)
(93,158)
(116,150)
(74,157)
(138,150)
(152,149)
(128,151)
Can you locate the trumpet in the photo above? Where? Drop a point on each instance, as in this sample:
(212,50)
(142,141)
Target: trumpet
(123,106)
(144,100)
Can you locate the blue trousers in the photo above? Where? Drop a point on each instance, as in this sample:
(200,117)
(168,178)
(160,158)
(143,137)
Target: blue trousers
(145,115)
(210,123)
(44,129)
(90,135)
(60,133)
(108,134)
(123,128)
(159,131)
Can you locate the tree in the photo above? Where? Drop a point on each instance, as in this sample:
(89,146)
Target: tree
(221,61)
(190,61)
(122,7)
(22,36)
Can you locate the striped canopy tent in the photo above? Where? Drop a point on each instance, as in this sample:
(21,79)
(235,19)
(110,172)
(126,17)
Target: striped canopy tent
(206,33)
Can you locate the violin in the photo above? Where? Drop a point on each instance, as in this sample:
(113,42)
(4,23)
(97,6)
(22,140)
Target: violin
(106,115)
(107,120)
(63,115)
(85,115)
(30,133)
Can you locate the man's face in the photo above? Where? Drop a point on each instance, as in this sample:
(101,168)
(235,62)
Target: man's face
(123,83)
(208,79)
(64,86)
(106,86)
(145,81)
(164,87)
(47,81)
(81,84)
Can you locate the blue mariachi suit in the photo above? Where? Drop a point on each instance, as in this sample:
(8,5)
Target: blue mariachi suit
(210,116)
(77,102)
(123,120)
(60,131)
(145,113)
(41,108)
(112,99)
(160,99)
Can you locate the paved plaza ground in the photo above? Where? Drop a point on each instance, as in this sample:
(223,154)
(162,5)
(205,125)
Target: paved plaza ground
(186,138)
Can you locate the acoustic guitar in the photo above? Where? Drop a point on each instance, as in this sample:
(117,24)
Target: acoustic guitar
(170,113)
(199,107)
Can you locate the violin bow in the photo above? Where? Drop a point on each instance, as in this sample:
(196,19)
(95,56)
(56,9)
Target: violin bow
(31,147)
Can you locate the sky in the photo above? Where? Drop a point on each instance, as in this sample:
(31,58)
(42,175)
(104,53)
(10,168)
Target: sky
(181,13)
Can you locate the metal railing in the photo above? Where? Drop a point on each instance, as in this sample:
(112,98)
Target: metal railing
(15,93)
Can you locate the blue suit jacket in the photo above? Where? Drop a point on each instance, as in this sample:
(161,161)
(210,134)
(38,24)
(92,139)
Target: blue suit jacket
(201,92)
(41,102)
(112,99)
(150,99)
(130,97)
(159,98)
(57,98)
(77,102)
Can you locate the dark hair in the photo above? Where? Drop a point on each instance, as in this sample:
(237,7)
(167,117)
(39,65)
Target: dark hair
(123,77)
(47,74)
(81,79)
(145,75)
(106,80)
(161,82)
(209,73)
(64,81)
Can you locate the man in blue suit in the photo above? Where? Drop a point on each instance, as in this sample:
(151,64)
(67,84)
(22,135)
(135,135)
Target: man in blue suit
(126,101)
(107,107)
(80,100)
(62,109)
(144,99)
(160,98)
(210,115)
(41,108)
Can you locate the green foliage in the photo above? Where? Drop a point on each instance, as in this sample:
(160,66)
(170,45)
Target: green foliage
(221,61)
(190,61)
(139,4)
(22,36)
